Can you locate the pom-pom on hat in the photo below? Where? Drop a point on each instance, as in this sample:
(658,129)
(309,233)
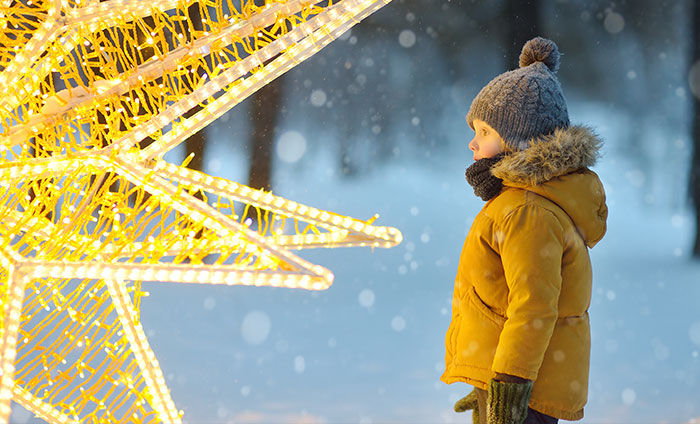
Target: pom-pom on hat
(527,102)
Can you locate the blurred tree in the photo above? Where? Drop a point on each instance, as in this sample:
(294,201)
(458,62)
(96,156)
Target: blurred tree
(522,22)
(197,142)
(695,164)
(264,114)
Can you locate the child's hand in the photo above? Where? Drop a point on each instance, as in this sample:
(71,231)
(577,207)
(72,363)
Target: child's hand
(507,402)
(467,403)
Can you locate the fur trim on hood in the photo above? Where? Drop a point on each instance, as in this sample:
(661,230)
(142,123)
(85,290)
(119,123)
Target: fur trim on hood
(550,156)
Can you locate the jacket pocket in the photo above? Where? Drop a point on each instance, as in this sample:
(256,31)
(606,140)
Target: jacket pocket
(478,334)
(484,309)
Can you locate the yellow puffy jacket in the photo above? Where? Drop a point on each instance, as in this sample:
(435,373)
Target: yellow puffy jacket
(523,286)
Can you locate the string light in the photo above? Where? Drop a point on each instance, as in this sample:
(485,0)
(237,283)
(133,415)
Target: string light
(89,210)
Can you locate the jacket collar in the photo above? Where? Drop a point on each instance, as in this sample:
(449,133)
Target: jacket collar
(550,156)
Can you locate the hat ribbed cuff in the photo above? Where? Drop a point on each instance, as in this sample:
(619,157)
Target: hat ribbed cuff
(518,128)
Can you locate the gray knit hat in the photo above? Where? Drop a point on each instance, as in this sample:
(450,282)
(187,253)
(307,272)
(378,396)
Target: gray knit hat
(526,102)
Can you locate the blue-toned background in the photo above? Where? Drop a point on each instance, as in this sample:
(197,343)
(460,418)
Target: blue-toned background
(375,124)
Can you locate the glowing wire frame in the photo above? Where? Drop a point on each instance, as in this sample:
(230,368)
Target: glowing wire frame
(89,211)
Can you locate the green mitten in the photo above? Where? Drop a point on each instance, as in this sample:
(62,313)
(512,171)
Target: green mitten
(507,402)
(469,402)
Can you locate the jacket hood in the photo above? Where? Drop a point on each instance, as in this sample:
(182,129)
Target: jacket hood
(556,167)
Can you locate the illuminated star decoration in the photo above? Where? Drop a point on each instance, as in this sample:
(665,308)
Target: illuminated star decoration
(94,94)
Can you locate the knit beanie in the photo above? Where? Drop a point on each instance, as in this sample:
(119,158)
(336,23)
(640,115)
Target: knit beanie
(526,102)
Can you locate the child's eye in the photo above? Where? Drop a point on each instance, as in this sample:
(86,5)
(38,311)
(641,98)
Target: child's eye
(484,132)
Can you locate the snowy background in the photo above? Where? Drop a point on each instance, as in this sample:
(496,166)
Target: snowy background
(392,96)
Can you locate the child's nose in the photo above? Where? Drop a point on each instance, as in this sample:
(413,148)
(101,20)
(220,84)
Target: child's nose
(472,145)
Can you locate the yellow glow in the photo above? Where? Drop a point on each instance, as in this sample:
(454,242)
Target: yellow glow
(94,93)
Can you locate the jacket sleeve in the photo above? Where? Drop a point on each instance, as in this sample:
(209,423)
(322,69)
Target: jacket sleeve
(530,240)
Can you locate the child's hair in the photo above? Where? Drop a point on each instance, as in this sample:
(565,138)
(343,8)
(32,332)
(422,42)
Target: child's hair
(527,102)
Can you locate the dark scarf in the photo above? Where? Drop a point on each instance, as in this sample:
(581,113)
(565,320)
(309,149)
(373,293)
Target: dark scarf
(479,176)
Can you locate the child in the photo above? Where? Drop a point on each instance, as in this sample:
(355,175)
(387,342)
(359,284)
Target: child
(520,332)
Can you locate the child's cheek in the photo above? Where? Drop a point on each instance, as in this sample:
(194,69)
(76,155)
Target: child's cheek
(491,150)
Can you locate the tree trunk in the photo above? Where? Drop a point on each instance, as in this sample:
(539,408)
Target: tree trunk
(197,142)
(264,114)
(695,164)
(522,22)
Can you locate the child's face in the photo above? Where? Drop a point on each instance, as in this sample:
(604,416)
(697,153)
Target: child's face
(486,142)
